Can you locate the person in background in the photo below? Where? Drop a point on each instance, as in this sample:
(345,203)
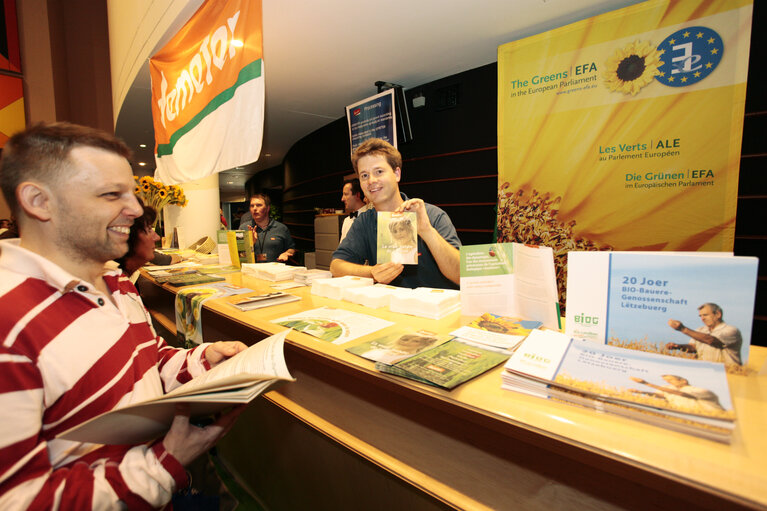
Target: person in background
(378,166)
(76,340)
(271,239)
(8,229)
(354,204)
(141,242)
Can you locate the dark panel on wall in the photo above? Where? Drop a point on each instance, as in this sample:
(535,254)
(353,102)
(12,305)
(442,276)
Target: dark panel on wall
(81,67)
(750,230)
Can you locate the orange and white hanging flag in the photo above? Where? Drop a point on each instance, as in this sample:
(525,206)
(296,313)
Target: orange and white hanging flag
(208,93)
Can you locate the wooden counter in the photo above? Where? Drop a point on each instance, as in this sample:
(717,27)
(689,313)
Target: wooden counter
(346,435)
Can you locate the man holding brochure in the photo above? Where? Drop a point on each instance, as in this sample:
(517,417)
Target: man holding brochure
(76,339)
(378,166)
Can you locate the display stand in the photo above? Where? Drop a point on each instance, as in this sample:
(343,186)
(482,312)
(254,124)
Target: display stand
(344,432)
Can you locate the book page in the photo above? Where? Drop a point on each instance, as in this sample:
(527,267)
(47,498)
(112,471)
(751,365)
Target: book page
(262,360)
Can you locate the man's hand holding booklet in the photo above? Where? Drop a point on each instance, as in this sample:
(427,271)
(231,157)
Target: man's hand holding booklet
(237,380)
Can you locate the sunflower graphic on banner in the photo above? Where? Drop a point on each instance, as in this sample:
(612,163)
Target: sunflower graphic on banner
(623,131)
(208,93)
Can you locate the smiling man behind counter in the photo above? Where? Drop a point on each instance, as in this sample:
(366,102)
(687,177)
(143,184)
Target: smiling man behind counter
(378,166)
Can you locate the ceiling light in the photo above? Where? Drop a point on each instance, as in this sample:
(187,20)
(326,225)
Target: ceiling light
(142,164)
(142,145)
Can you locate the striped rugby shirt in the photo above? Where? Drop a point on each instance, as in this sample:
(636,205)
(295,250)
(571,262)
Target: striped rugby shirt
(69,354)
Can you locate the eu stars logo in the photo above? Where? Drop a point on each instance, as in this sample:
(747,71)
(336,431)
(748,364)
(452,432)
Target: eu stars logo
(689,55)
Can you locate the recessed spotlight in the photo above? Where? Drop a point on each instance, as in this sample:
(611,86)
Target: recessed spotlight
(267,154)
(142,145)
(230,182)
(142,164)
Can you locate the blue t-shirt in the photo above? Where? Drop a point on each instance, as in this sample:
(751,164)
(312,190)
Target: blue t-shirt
(361,246)
(272,241)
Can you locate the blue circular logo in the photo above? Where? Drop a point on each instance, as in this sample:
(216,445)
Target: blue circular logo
(689,55)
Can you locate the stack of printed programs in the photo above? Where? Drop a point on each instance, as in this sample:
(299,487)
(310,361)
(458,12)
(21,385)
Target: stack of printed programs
(306,277)
(427,302)
(271,271)
(334,287)
(681,394)
(375,296)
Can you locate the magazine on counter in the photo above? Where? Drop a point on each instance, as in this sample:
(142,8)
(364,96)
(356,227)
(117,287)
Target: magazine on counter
(446,365)
(398,345)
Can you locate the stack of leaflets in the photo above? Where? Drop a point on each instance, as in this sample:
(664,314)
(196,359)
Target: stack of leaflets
(687,304)
(427,302)
(496,332)
(334,287)
(446,365)
(306,277)
(247,303)
(684,395)
(375,296)
(271,271)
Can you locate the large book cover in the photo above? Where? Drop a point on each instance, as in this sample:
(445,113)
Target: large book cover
(446,365)
(510,279)
(692,305)
(693,391)
(398,345)
(237,380)
(397,238)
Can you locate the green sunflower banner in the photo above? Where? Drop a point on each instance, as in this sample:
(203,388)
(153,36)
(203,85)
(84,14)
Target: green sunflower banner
(623,131)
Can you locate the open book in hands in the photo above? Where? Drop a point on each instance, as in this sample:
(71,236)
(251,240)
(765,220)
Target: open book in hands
(237,380)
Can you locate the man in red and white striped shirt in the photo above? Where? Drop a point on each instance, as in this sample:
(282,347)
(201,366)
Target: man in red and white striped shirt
(76,340)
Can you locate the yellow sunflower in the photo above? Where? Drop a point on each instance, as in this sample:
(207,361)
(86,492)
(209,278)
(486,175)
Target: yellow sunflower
(631,68)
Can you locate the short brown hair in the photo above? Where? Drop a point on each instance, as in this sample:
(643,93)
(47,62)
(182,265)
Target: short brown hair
(42,151)
(263,197)
(377,147)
